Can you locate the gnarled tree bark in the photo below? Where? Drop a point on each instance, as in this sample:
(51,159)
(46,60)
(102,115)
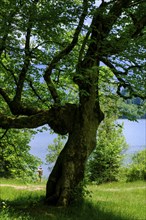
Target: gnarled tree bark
(68,171)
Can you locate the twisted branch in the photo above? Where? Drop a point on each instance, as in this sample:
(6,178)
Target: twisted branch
(63,53)
(122,82)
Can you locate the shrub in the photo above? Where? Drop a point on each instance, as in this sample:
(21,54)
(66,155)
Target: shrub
(105,162)
(137,169)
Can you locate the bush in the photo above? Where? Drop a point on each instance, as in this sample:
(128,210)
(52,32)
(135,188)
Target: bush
(137,169)
(16,160)
(105,162)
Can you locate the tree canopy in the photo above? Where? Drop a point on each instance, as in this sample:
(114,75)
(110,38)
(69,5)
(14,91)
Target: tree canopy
(43,44)
(49,49)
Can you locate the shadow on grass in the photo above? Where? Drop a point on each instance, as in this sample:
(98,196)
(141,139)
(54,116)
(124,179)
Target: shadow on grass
(33,207)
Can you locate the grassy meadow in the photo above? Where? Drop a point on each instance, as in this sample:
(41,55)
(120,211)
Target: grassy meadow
(112,201)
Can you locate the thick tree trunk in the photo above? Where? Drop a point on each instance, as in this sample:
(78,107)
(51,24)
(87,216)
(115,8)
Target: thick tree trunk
(69,169)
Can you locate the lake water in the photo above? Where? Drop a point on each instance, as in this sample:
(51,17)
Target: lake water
(134,132)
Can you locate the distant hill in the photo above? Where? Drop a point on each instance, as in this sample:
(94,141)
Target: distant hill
(135,101)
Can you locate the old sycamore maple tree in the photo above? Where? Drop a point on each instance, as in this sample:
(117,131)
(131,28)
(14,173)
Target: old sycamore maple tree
(49,49)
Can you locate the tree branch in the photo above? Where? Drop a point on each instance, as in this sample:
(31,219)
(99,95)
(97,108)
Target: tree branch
(9,70)
(83,46)
(59,118)
(4,134)
(34,91)
(63,53)
(101,26)
(7,25)
(123,83)
(115,71)
(20,108)
(3,43)
(17,97)
(33,121)
(108,21)
(5,96)
(27,56)
(139,26)
(136,2)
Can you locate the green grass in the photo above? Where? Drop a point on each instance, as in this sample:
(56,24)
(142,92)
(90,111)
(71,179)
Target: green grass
(127,200)
(115,201)
(20,182)
(12,181)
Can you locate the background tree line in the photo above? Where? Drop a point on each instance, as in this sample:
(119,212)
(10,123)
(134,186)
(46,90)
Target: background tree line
(15,158)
